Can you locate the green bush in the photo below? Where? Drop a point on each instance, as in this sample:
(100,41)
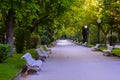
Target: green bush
(4,49)
(93,36)
(116,51)
(28,39)
(32,52)
(35,39)
(114,39)
(119,35)
(19,39)
(45,40)
(11,67)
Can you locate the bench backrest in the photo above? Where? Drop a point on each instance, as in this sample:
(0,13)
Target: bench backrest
(85,43)
(97,45)
(110,48)
(28,58)
(45,46)
(39,50)
(42,50)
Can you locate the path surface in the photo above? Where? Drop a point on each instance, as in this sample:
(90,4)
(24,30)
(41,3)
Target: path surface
(78,63)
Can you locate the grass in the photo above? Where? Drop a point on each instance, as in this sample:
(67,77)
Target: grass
(116,51)
(12,65)
(90,45)
(102,48)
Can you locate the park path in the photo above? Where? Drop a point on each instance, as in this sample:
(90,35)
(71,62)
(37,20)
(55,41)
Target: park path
(73,62)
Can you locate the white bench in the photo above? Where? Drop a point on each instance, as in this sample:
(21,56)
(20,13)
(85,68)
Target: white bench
(48,49)
(95,47)
(32,63)
(108,52)
(42,53)
(84,44)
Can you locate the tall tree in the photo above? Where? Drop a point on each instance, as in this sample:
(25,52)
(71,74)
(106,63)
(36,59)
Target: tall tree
(8,17)
(30,14)
(110,16)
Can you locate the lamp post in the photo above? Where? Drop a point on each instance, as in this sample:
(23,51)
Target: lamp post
(85,33)
(46,33)
(78,35)
(111,24)
(98,34)
(111,36)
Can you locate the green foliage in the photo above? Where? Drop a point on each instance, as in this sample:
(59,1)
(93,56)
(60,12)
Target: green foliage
(4,50)
(45,40)
(2,33)
(110,14)
(81,12)
(93,34)
(30,14)
(35,40)
(28,40)
(89,45)
(19,39)
(32,52)
(119,34)
(14,64)
(116,51)
(102,48)
(11,67)
(119,37)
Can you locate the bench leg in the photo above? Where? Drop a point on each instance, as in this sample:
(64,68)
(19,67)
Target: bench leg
(107,54)
(25,74)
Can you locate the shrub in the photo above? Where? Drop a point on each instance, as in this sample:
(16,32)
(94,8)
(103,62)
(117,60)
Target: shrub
(28,39)
(32,52)
(93,34)
(19,39)
(116,51)
(114,39)
(4,49)
(119,36)
(45,40)
(35,39)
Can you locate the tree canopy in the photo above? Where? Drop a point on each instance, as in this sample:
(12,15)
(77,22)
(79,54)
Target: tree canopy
(54,18)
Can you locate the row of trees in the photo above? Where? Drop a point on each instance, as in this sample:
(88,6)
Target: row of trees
(29,15)
(86,13)
(55,18)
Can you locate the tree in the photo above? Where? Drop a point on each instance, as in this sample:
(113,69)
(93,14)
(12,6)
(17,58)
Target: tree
(109,15)
(30,14)
(8,18)
(82,12)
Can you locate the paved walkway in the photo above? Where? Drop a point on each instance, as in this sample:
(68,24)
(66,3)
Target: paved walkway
(78,63)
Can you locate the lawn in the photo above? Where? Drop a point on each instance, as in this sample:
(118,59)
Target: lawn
(13,65)
(116,51)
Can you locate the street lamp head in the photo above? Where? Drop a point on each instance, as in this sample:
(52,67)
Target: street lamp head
(99,20)
(85,27)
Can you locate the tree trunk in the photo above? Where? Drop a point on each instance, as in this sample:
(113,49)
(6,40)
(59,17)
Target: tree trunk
(119,35)
(105,39)
(10,33)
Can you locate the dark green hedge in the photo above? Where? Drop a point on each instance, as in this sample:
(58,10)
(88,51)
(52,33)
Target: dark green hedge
(4,50)
(19,39)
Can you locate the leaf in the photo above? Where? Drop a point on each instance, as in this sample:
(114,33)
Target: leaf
(47,0)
